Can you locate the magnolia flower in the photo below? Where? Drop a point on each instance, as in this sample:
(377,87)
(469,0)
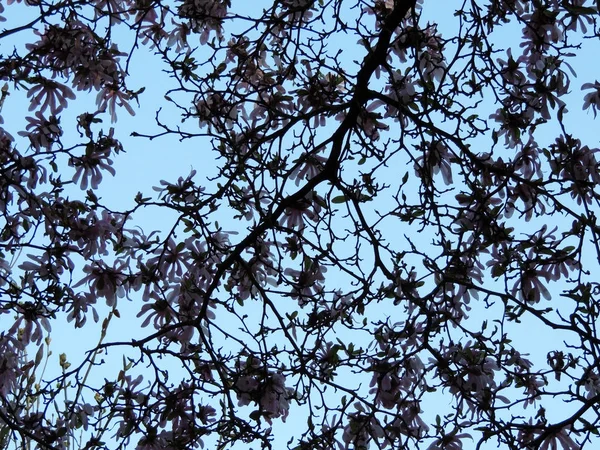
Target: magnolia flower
(178,37)
(541,30)
(11,356)
(49,95)
(452,441)
(532,385)
(410,422)
(160,312)
(527,160)
(44,266)
(435,159)
(369,121)
(361,429)
(105,281)
(171,260)
(530,288)
(400,89)
(93,234)
(264,387)
(275,397)
(42,133)
(512,123)
(319,92)
(215,110)
(511,71)
(109,97)
(578,20)
(308,166)
(78,308)
(386,384)
(79,416)
(89,167)
(205,16)
(592,99)
(32,321)
(591,383)
(309,207)
(306,282)
(561,438)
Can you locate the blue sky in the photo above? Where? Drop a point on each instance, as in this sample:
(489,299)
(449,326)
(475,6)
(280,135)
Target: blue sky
(146,162)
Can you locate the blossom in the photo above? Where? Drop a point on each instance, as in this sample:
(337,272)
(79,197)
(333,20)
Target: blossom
(93,233)
(550,83)
(451,441)
(160,312)
(51,95)
(255,274)
(80,416)
(265,387)
(388,384)
(130,396)
(435,159)
(591,99)
(11,356)
(361,429)
(78,307)
(151,440)
(89,167)
(171,260)
(320,91)
(530,287)
(511,71)
(470,376)
(109,97)
(561,438)
(205,16)
(308,166)
(401,90)
(73,49)
(591,383)
(578,20)
(42,133)
(541,30)
(183,191)
(105,281)
(411,419)
(215,110)
(578,163)
(32,321)
(370,122)
(275,105)
(428,45)
(44,266)
(528,195)
(275,397)
(178,36)
(308,207)
(306,282)
(513,120)
(527,160)
(532,385)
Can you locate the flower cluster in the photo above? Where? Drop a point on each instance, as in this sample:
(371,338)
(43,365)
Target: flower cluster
(265,388)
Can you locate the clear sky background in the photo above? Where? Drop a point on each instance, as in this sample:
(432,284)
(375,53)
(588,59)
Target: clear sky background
(147,162)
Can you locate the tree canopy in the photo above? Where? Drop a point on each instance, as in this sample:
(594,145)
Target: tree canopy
(398,247)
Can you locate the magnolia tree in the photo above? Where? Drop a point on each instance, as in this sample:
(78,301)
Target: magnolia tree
(397,249)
